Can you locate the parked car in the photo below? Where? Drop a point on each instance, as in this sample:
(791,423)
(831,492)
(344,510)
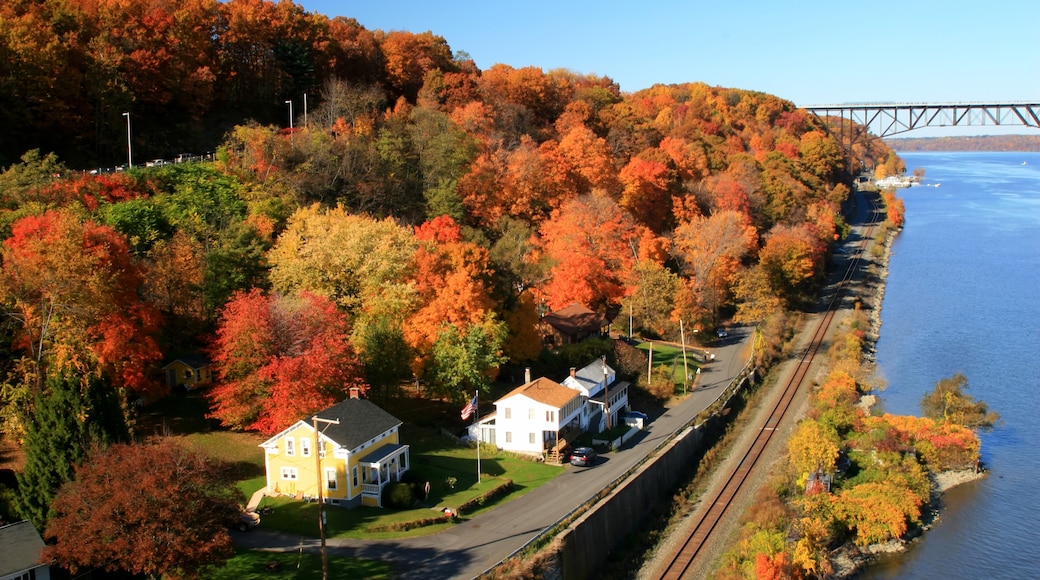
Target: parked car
(722,333)
(247,521)
(583,456)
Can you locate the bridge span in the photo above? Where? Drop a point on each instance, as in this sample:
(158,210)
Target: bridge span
(887,119)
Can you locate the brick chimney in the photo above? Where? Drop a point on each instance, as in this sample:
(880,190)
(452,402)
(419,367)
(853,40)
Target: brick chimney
(574,372)
(354,393)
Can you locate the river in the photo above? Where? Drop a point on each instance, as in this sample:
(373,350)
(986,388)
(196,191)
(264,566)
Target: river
(962,297)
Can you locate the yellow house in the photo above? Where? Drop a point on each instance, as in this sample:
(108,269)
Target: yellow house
(189,372)
(358,456)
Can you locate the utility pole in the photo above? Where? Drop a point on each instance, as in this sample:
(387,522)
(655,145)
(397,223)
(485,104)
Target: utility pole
(606,390)
(319,478)
(686,367)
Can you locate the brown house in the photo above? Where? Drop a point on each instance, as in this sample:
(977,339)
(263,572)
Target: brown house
(572,324)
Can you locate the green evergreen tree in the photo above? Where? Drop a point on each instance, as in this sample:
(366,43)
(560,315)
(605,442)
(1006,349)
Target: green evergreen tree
(62,426)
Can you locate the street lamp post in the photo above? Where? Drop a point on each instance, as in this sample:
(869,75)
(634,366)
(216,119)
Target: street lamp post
(291,138)
(129,150)
(319,478)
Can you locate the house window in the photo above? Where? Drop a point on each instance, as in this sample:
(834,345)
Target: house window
(530,414)
(530,438)
(187,374)
(331,482)
(289,473)
(289,450)
(353,475)
(509,436)
(550,416)
(305,447)
(509,413)
(321,449)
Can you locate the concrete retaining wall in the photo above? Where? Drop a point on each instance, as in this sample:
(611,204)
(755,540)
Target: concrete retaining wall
(588,541)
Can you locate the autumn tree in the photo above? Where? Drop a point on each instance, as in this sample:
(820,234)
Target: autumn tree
(279,358)
(152,508)
(792,259)
(949,402)
(466,360)
(62,424)
(384,354)
(710,251)
(349,259)
(73,289)
(452,279)
(812,448)
(592,244)
(652,298)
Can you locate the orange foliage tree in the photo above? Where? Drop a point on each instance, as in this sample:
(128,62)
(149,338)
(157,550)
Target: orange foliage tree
(592,243)
(73,289)
(452,278)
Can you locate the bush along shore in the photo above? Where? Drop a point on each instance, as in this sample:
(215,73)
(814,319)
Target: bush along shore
(856,483)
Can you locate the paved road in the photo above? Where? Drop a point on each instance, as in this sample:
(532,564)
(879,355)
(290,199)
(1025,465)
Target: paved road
(475,545)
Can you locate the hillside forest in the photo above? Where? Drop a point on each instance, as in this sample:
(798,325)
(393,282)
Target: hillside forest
(410,228)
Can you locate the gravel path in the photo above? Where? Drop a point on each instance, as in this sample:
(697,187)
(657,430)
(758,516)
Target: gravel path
(726,531)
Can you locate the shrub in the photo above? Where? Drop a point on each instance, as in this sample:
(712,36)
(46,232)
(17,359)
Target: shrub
(399,495)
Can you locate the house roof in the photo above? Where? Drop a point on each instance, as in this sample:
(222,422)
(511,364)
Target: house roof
(545,391)
(382,452)
(359,421)
(195,361)
(590,377)
(20,547)
(575,318)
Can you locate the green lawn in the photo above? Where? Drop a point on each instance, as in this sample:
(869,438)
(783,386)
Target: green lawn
(668,360)
(435,458)
(249,565)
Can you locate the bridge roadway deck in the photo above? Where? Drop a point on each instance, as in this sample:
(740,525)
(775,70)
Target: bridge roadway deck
(475,545)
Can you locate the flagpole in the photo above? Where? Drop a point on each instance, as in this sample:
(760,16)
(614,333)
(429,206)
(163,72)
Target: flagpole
(476,416)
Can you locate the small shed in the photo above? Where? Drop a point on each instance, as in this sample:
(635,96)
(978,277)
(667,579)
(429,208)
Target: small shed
(189,372)
(20,549)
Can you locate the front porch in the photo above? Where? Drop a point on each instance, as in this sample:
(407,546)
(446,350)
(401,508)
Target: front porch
(555,450)
(383,465)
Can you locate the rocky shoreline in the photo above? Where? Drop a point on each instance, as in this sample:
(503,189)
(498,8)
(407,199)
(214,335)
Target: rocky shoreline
(849,559)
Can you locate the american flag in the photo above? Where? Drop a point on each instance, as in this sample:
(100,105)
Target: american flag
(470,408)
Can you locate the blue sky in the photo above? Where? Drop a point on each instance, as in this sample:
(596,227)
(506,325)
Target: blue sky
(809,52)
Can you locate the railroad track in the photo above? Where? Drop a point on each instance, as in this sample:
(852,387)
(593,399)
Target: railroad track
(691,547)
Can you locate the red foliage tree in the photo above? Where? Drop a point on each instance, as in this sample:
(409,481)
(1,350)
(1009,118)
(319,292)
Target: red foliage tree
(154,508)
(279,358)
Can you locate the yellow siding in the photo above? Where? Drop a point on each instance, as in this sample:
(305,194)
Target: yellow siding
(185,375)
(303,467)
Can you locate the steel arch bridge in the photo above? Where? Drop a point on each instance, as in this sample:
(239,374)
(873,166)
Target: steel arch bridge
(887,119)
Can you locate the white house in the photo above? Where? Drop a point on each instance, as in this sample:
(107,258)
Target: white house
(534,418)
(595,381)
(542,417)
